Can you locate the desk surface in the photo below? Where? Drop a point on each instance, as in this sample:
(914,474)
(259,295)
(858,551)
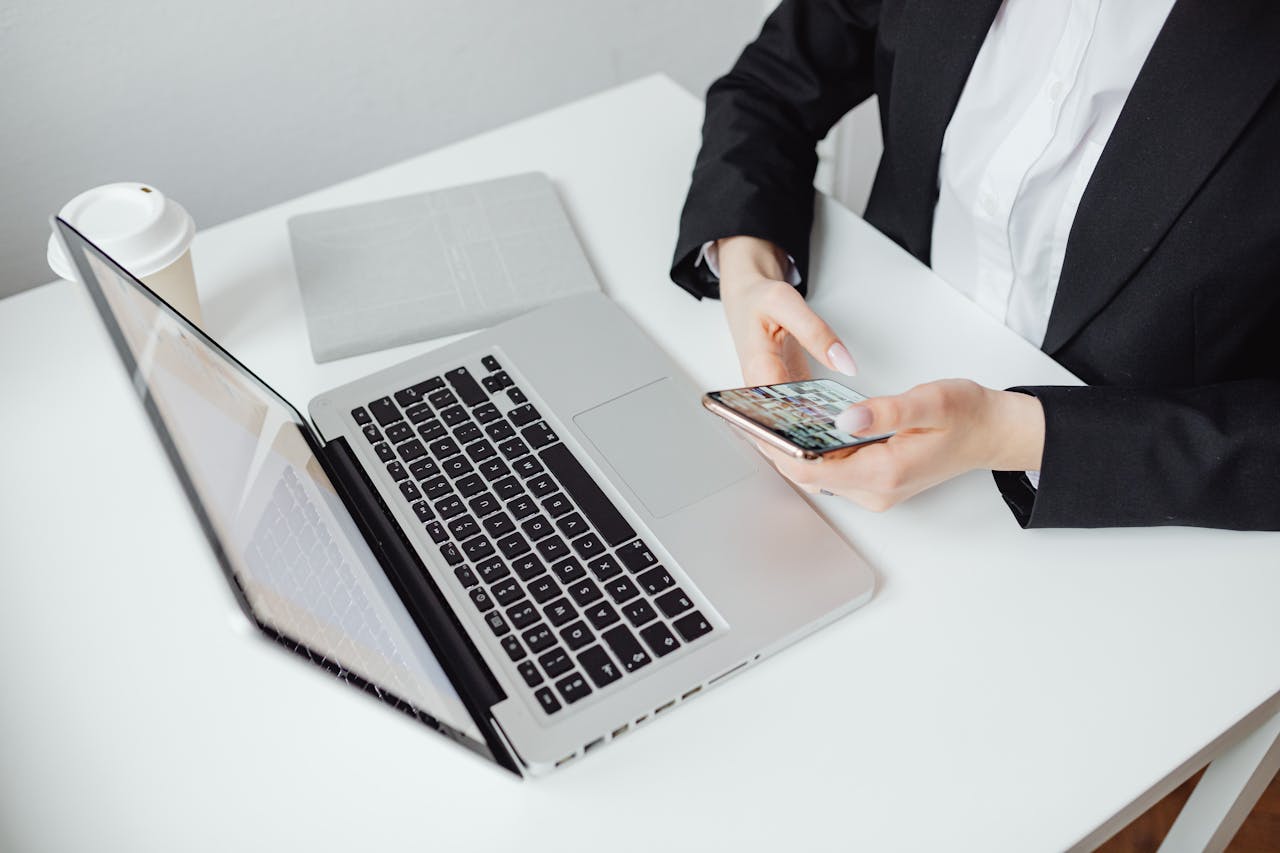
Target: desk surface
(1005,690)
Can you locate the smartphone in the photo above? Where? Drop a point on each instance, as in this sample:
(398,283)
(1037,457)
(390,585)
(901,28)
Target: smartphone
(797,418)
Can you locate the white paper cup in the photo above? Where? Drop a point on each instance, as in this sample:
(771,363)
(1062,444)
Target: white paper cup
(142,230)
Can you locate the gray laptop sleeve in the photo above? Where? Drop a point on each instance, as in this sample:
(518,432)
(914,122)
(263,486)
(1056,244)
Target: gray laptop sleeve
(422,266)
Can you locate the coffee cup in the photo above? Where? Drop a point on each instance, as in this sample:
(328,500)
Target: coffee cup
(142,230)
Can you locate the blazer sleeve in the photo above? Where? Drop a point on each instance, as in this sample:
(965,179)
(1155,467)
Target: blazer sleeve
(1126,457)
(811,63)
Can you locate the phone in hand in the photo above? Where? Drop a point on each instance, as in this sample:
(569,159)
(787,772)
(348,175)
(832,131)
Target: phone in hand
(797,418)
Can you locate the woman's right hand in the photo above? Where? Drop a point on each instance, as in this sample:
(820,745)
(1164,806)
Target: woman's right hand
(771,324)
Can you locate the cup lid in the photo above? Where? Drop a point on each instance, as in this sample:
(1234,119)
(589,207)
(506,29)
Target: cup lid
(136,224)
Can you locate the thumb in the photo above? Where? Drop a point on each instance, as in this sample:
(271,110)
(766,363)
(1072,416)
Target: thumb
(794,314)
(880,415)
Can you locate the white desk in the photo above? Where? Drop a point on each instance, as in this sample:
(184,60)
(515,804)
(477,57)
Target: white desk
(1005,690)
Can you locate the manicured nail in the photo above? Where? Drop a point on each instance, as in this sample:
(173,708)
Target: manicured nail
(853,420)
(841,360)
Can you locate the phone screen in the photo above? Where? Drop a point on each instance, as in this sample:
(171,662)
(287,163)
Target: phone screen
(803,413)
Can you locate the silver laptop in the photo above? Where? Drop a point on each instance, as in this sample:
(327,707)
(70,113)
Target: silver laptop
(533,540)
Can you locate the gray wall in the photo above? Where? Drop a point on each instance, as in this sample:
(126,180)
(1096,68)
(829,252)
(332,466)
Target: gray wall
(233,105)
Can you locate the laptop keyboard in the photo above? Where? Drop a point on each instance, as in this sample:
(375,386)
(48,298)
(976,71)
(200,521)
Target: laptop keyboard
(576,599)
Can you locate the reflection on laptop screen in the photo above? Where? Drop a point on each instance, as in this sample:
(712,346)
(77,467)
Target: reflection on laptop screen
(304,568)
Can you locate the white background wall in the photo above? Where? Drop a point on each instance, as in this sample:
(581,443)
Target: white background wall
(232,105)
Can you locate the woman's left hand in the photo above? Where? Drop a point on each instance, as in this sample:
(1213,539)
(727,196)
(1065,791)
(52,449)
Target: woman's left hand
(942,429)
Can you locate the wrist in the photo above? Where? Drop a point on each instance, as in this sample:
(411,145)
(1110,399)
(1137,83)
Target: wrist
(1016,430)
(745,257)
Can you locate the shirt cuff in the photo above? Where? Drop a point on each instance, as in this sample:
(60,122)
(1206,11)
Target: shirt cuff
(709,254)
(1034,478)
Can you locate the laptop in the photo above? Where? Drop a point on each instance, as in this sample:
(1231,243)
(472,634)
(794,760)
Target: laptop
(532,540)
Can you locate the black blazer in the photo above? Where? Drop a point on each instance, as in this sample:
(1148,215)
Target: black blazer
(1169,298)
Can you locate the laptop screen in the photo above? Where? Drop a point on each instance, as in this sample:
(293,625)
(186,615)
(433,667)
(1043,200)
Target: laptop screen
(285,537)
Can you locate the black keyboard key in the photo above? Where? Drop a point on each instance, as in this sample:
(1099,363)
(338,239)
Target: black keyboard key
(559,611)
(529,673)
(601,615)
(419,414)
(484,504)
(523,415)
(397,472)
(410,491)
(557,505)
(360,416)
(436,488)
(426,386)
(621,589)
(480,451)
(486,412)
(454,415)
(497,624)
(577,635)
(385,411)
(398,432)
(573,687)
(477,548)
(597,664)
(527,567)
(523,507)
(626,648)
(639,612)
(539,638)
(593,502)
(408,396)
(466,386)
(539,435)
(508,488)
(517,396)
(572,526)
(552,549)
(537,528)
(424,469)
(507,592)
(451,553)
(384,451)
(500,430)
(431,430)
(556,662)
(467,432)
(491,384)
(544,588)
(541,485)
(499,525)
(443,448)
(492,570)
(437,532)
(655,580)
(522,615)
(514,650)
(423,510)
(371,432)
(585,591)
(503,379)
(513,448)
(470,485)
(465,576)
(449,507)
(442,398)
(693,626)
(463,527)
(547,700)
(673,603)
(605,567)
(659,639)
(588,546)
(482,600)
(527,466)
(411,450)
(636,556)
(490,363)
(513,546)
(456,466)
(569,571)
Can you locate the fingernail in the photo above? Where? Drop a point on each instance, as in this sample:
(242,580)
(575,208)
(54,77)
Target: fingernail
(841,360)
(854,419)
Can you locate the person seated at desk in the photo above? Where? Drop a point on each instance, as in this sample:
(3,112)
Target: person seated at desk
(1102,176)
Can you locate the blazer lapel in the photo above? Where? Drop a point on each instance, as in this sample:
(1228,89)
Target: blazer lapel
(938,44)
(1208,72)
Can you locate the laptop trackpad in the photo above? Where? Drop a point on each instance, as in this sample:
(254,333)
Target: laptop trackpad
(665,448)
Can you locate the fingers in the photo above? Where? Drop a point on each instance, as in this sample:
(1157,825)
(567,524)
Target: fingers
(793,314)
(922,407)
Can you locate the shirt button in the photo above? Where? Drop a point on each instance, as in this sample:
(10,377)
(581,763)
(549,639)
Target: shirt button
(1055,90)
(987,202)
